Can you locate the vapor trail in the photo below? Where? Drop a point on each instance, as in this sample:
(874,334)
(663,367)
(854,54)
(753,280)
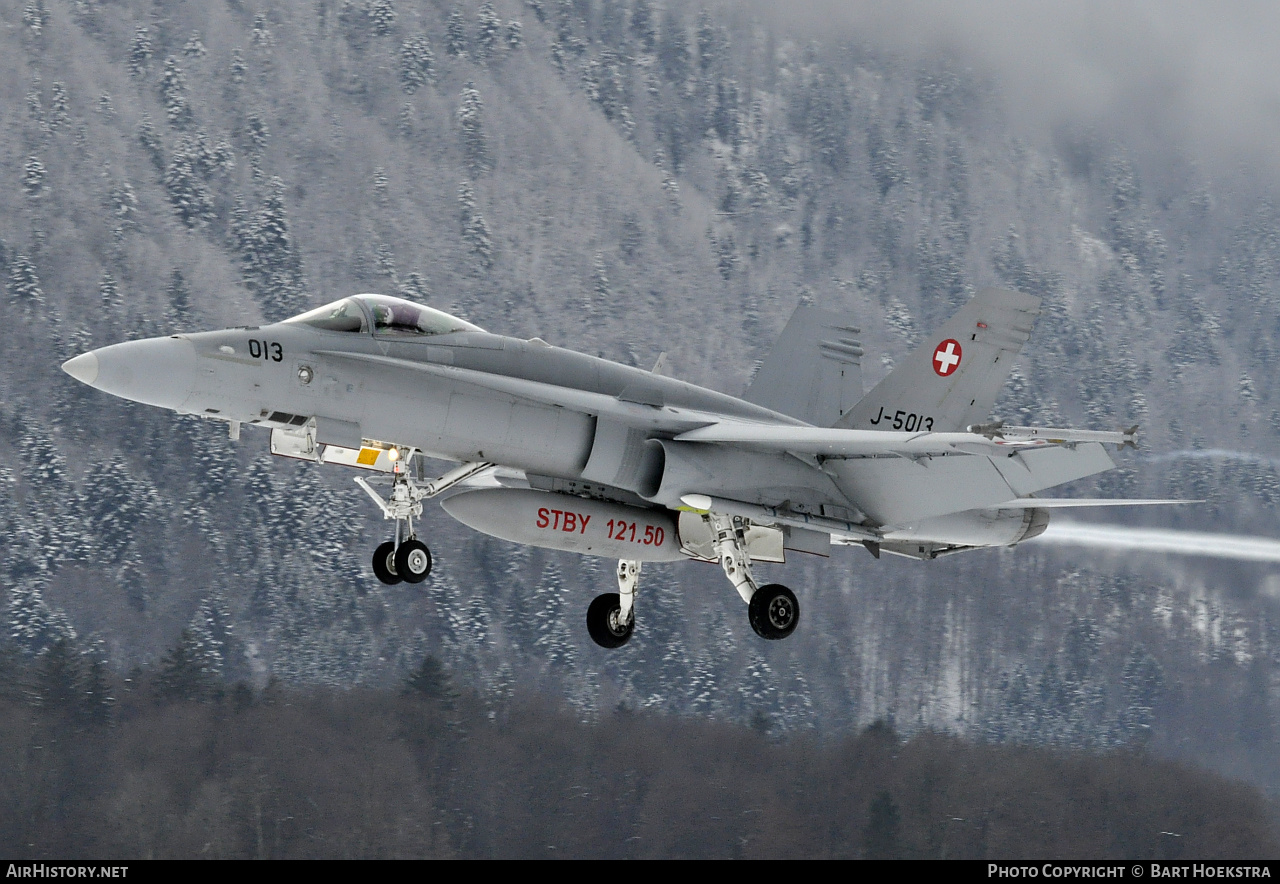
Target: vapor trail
(1163,540)
(1214,454)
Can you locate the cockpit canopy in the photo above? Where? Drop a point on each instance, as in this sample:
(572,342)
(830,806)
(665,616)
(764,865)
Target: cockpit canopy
(389,316)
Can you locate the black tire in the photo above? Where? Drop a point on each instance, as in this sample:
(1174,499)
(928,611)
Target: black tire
(413,561)
(602,621)
(384,565)
(774,611)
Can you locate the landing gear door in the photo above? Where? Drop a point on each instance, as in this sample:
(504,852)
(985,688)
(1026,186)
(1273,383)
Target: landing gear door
(298,443)
(697,541)
(301,443)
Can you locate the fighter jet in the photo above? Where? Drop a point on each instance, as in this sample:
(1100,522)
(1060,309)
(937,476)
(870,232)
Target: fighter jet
(571,452)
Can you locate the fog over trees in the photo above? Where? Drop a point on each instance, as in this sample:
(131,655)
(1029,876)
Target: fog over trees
(623,178)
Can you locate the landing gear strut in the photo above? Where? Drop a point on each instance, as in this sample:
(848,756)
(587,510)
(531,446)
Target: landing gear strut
(405,557)
(611,616)
(772,609)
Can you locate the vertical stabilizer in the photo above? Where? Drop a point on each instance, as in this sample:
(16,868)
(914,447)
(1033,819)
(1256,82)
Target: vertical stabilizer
(953,378)
(814,371)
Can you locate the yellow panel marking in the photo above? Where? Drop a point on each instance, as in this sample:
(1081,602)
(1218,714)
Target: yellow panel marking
(368,456)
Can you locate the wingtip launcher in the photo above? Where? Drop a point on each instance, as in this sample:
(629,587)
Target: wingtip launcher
(1127,438)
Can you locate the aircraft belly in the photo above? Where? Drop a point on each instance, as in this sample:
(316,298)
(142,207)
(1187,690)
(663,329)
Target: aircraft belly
(897,490)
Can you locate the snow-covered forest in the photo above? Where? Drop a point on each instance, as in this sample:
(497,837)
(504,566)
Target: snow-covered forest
(623,178)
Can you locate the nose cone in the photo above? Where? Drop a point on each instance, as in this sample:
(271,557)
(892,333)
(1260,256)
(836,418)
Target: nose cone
(156,371)
(84,368)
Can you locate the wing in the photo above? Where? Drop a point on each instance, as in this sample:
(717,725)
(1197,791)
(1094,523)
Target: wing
(901,477)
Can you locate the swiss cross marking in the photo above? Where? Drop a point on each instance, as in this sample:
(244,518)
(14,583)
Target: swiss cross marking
(946,357)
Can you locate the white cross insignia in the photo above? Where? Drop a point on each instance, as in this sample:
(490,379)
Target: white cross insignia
(946,357)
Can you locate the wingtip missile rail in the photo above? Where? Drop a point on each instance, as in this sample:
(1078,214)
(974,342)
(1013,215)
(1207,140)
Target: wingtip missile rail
(1126,438)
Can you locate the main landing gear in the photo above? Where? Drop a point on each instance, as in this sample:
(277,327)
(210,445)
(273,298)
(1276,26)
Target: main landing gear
(611,617)
(405,557)
(772,609)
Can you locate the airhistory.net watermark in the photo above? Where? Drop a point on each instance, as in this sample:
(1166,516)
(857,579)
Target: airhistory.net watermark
(49,870)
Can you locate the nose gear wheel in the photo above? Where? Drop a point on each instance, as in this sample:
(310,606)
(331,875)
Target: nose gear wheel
(413,561)
(405,558)
(384,563)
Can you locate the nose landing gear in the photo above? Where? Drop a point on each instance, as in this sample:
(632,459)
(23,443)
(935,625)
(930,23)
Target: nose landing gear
(405,557)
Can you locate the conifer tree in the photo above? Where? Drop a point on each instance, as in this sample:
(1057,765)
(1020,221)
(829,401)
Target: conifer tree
(183,674)
(270,263)
(96,695)
(24,285)
(194,47)
(109,293)
(149,138)
(19,555)
(140,52)
(124,207)
(643,25)
(35,15)
(58,102)
(33,175)
(475,232)
(431,681)
(32,625)
(213,631)
(59,679)
(417,63)
(673,49)
(881,838)
(191,197)
(487,33)
(117,502)
(415,288)
(599,305)
(238,67)
(262,36)
(455,29)
(381,15)
(475,146)
(173,94)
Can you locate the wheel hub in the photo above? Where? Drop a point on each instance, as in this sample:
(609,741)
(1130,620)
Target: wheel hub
(417,561)
(781,612)
(615,625)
